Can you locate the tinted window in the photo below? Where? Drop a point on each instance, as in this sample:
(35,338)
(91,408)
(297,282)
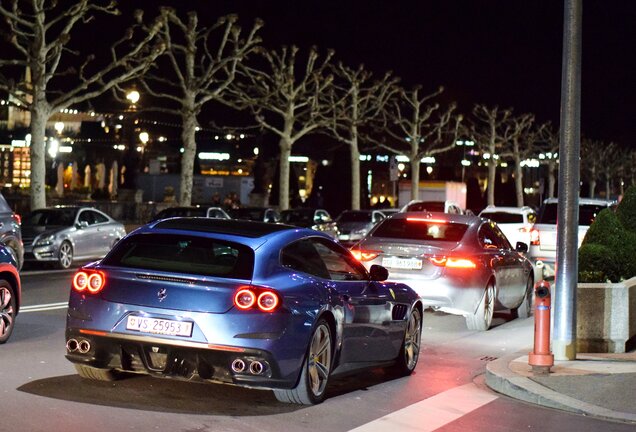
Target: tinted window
(297,216)
(420,230)
(247,213)
(49,217)
(432,206)
(302,256)
(502,217)
(587,213)
(183,254)
(353,216)
(491,237)
(340,266)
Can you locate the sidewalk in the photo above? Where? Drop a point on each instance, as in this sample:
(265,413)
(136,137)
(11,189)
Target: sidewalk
(598,385)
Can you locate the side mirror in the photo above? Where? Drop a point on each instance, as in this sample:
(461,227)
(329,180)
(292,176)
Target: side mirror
(521,247)
(378,273)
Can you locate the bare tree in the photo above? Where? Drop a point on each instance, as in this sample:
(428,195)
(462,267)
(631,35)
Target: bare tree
(197,71)
(522,145)
(611,159)
(548,146)
(491,130)
(418,128)
(592,155)
(357,101)
(285,100)
(39,33)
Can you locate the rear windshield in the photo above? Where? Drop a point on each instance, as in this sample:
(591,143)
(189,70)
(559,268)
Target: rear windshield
(351,216)
(297,216)
(183,254)
(502,217)
(587,213)
(432,206)
(420,230)
(181,212)
(247,213)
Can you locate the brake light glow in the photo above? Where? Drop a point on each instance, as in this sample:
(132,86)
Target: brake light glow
(17,218)
(452,262)
(91,281)
(365,255)
(534,237)
(416,219)
(254,297)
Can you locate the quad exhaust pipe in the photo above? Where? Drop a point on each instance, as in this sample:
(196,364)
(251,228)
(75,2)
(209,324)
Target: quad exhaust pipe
(255,367)
(82,346)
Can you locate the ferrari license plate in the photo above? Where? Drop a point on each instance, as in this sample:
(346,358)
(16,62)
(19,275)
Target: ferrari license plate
(159,326)
(402,263)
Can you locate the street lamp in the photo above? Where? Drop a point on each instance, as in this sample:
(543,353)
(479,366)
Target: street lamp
(464,162)
(59,127)
(133,96)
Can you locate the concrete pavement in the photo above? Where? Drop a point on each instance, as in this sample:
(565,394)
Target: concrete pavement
(598,385)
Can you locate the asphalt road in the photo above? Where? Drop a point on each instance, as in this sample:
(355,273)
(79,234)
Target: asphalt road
(40,391)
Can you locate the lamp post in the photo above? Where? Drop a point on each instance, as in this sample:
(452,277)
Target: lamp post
(464,162)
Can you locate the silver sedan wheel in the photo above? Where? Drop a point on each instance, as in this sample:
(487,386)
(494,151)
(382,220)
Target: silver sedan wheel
(482,318)
(65,255)
(7,313)
(319,361)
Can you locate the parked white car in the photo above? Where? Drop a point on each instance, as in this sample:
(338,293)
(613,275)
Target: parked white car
(515,222)
(543,236)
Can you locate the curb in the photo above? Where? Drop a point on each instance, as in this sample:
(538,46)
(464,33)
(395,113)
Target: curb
(500,378)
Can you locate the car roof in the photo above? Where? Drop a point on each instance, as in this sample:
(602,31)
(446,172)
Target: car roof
(448,217)
(519,210)
(239,228)
(591,201)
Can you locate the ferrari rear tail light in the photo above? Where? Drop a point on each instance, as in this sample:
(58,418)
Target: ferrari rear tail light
(255,297)
(452,262)
(17,218)
(87,280)
(534,237)
(365,255)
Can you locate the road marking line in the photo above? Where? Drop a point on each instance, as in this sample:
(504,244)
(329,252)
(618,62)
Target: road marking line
(432,413)
(44,307)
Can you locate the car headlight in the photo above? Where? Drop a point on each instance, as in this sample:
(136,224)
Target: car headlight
(45,241)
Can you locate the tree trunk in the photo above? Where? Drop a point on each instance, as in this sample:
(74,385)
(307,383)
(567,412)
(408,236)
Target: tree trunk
(592,181)
(188,136)
(492,172)
(283,181)
(355,175)
(415,178)
(608,184)
(39,116)
(519,181)
(551,178)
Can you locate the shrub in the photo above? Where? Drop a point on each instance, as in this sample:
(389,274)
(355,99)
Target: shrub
(626,210)
(608,251)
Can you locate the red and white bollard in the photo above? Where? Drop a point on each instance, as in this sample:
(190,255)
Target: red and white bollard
(541,359)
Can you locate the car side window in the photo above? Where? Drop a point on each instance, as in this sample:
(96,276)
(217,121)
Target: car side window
(377,217)
(302,256)
(86,216)
(503,240)
(340,264)
(99,218)
(488,239)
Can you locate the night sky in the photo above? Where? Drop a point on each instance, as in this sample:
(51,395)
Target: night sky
(497,52)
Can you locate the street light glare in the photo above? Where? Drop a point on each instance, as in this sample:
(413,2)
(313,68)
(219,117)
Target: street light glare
(133,96)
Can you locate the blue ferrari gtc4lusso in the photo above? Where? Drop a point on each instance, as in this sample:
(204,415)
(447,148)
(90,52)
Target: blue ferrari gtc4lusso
(245,303)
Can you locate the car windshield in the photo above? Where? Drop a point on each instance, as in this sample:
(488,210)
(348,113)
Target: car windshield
(420,230)
(587,213)
(503,217)
(183,254)
(353,216)
(432,206)
(297,216)
(49,217)
(247,213)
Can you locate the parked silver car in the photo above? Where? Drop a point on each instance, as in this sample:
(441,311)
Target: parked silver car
(460,264)
(353,225)
(64,234)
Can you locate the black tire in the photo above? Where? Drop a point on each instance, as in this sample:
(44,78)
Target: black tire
(8,306)
(65,255)
(95,374)
(524,310)
(410,350)
(314,375)
(481,320)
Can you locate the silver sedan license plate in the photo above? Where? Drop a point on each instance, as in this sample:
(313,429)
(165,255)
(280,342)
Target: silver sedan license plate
(402,263)
(159,326)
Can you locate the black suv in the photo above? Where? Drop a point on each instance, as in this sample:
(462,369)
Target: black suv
(10,234)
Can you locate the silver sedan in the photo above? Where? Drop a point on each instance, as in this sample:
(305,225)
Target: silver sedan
(458,264)
(64,234)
